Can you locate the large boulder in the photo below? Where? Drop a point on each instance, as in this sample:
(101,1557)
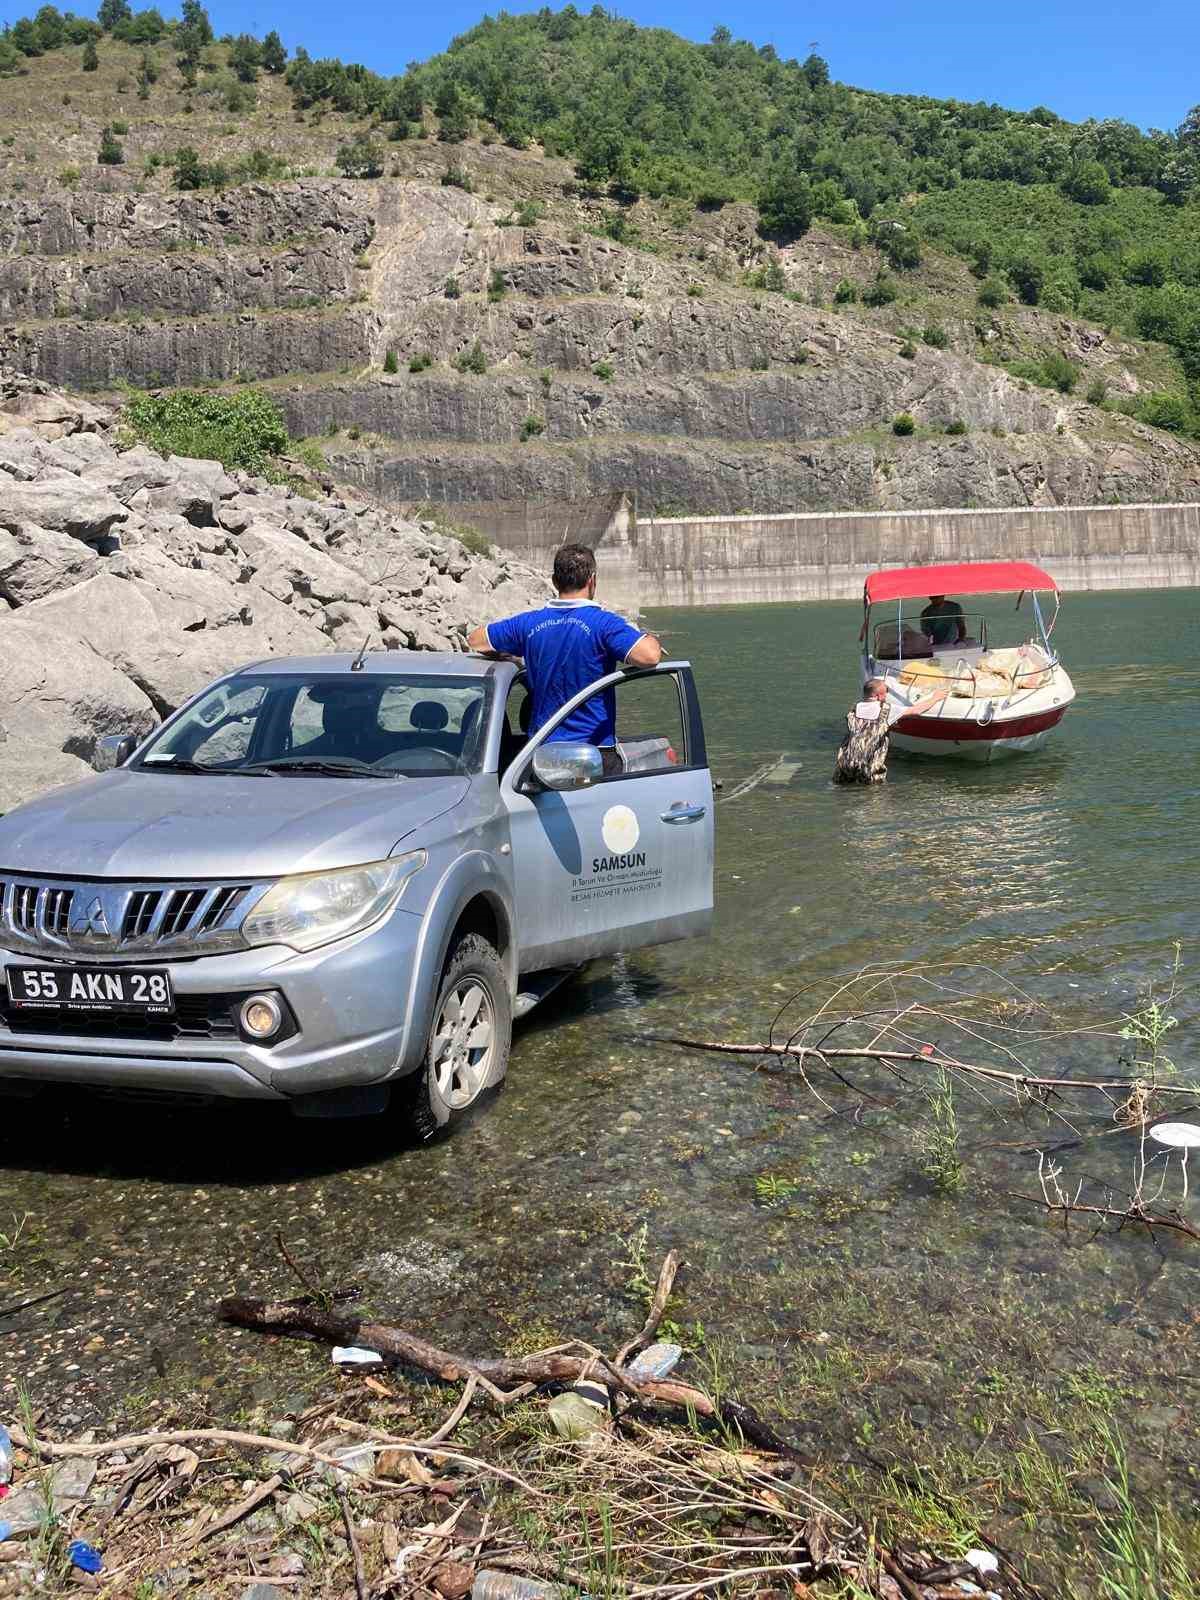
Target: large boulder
(62,502)
(60,695)
(37,561)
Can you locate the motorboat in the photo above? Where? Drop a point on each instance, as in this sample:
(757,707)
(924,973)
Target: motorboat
(1006,693)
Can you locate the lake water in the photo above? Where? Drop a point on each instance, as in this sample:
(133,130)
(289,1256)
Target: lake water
(845,1295)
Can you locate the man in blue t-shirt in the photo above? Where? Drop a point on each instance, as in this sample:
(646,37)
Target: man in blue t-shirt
(567,644)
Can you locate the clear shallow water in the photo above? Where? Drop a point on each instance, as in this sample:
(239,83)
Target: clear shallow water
(1074,869)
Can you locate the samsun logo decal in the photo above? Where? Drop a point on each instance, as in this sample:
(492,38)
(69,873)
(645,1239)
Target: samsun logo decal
(620,829)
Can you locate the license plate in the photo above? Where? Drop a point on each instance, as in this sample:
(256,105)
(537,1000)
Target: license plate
(146,990)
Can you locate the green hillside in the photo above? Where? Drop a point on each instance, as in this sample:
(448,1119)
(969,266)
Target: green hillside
(1098,220)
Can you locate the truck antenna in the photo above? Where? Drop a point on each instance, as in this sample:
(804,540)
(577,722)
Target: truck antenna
(357,664)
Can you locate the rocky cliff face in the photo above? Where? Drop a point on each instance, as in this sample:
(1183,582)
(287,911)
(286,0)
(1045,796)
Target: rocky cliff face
(128,580)
(593,366)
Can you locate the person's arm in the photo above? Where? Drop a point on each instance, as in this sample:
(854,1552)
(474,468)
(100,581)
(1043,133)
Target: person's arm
(627,645)
(647,652)
(920,707)
(506,638)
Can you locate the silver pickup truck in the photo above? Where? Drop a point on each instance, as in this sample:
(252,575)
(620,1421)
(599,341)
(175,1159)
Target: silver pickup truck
(324,880)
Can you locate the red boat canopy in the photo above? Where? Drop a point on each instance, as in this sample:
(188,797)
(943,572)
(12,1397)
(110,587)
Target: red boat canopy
(967,577)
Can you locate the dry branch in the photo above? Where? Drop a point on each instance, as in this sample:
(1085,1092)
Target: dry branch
(658,1305)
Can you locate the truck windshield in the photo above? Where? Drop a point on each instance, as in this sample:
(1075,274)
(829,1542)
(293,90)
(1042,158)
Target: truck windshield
(368,725)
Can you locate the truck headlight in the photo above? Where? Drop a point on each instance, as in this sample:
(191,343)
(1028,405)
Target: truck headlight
(318,907)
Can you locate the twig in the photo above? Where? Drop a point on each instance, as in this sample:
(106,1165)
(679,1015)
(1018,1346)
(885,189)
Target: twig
(1020,1080)
(253,1441)
(296,1268)
(263,1492)
(658,1305)
(360,1577)
(24,1305)
(898,1576)
(1173,1222)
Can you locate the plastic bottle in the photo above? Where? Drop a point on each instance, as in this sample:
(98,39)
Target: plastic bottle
(6,1455)
(490,1585)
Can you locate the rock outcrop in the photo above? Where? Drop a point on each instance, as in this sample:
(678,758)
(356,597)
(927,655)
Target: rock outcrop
(128,580)
(444,351)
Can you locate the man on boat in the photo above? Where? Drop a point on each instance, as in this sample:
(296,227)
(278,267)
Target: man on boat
(568,644)
(942,622)
(862,754)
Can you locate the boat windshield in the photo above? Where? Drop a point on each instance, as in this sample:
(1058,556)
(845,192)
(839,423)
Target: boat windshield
(369,725)
(943,625)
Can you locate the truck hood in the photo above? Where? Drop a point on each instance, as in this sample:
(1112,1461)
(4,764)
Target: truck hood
(137,825)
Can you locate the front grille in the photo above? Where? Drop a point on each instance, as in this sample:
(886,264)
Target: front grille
(104,921)
(197,1016)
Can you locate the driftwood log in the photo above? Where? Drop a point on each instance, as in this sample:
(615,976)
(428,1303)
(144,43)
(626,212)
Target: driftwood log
(510,1377)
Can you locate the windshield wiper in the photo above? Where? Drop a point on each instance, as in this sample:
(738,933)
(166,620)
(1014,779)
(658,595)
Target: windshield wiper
(328,769)
(178,766)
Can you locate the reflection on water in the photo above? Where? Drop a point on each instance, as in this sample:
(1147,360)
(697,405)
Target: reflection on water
(1075,867)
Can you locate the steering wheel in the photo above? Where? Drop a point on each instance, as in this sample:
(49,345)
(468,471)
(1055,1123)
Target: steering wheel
(400,758)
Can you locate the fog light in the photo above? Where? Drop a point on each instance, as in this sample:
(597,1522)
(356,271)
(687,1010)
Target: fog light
(261,1016)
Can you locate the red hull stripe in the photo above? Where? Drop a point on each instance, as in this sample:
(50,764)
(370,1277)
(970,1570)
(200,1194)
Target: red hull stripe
(962,732)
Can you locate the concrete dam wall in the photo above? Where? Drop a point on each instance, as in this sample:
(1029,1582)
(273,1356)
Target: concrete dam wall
(698,561)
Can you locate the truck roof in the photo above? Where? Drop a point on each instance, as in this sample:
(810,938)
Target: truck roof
(434,663)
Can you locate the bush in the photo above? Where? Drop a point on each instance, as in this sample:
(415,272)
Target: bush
(452,289)
(882,292)
(935,335)
(457,177)
(760,364)
(695,291)
(1059,373)
(361,158)
(1097,392)
(785,206)
(991,293)
(846,293)
(1169,411)
(69,177)
(110,153)
(472,360)
(603,370)
(899,244)
(908,350)
(1028,278)
(421,362)
(497,287)
(242,431)
(120,127)
(390,364)
(903,424)
(532,427)
(957,427)
(91,61)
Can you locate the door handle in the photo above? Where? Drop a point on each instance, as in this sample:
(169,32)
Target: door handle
(681,811)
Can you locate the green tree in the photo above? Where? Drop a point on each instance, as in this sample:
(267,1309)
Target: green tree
(51,28)
(195,29)
(1028,278)
(362,157)
(245,57)
(110,153)
(274,56)
(91,61)
(25,37)
(785,206)
(816,70)
(1088,183)
(111,12)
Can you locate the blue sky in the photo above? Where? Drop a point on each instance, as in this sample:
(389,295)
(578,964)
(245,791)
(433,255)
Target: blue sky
(1097,59)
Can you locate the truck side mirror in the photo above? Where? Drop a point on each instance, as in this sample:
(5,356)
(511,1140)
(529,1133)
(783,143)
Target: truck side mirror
(567,766)
(113,750)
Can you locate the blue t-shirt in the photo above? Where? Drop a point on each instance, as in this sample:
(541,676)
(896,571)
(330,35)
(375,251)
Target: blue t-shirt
(568,644)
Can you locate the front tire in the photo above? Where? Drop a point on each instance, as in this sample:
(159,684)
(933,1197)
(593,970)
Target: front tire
(466,1052)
